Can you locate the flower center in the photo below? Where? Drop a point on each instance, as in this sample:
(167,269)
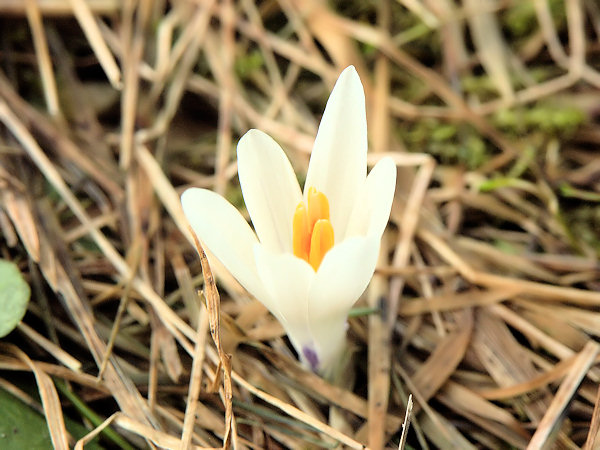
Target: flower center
(312,229)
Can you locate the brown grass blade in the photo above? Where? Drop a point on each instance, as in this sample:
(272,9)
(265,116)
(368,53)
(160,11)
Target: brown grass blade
(442,362)
(490,45)
(19,211)
(34,17)
(505,360)
(87,21)
(214,308)
(195,381)
(553,417)
(592,438)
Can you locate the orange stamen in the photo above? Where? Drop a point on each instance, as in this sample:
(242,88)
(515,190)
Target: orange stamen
(318,206)
(301,232)
(320,242)
(312,230)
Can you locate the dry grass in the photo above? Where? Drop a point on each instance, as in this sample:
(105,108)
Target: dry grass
(485,303)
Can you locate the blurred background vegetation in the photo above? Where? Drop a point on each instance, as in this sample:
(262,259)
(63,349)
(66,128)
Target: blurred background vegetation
(484,305)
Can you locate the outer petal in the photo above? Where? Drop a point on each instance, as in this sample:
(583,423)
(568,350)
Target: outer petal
(371,211)
(288,280)
(338,161)
(341,279)
(220,226)
(271,191)
(329,335)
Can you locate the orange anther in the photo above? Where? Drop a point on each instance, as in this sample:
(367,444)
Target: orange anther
(312,230)
(321,242)
(318,206)
(301,232)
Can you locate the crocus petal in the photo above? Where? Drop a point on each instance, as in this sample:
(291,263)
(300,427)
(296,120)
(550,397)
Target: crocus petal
(220,226)
(270,188)
(287,280)
(339,157)
(329,334)
(342,277)
(371,211)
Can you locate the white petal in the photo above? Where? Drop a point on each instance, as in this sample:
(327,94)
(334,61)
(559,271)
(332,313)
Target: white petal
(371,211)
(220,226)
(329,334)
(342,277)
(271,191)
(288,280)
(338,162)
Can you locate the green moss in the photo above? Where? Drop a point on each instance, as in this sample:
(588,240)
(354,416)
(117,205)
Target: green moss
(247,63)
(548,118)
(450,143)
(521,19)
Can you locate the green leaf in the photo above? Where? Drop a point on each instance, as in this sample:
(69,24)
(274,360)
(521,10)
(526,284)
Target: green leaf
(14,296)
(21,427)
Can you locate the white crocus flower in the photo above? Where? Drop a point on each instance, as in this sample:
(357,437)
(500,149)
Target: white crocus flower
(313,253)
